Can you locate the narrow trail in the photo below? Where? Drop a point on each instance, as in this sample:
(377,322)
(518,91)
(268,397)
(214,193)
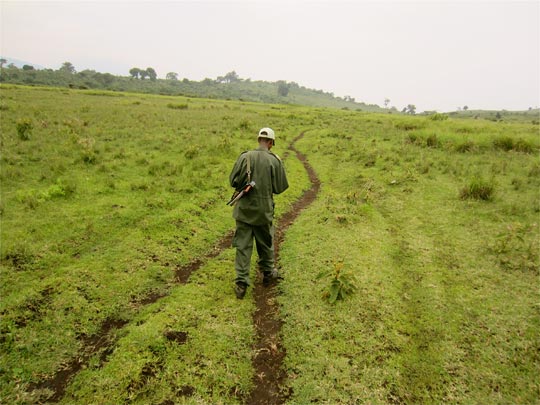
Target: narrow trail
(104,341)
(269,351)
(270,354)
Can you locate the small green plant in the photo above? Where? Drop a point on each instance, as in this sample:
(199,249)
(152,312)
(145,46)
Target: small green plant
(432,141)
(342,283)
(508,143)
(88,153)
(465,146)
(478,189)
(438,117)
(173,106)
(24,128)
(517,248)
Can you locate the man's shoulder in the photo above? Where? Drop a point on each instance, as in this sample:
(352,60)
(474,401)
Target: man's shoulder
(275,155)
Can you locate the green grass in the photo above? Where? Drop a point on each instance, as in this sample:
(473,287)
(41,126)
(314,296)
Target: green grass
(111,192)
(446,310)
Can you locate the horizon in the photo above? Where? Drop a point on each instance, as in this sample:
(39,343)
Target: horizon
(438,66)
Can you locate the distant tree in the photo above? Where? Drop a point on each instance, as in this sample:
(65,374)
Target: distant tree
(465,107)
(530,108)
(143,74)
(151,73)
(2,62)
(104,78)
(185,80)
(231,77)
(134,72)
(386,102)
(28,67)
(404,111)
(12,66)
(283,88)
(410,109)
(498,115)
(171,76)
(67,67)
(208,81)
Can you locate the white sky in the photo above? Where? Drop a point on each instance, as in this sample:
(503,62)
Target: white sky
(437,55)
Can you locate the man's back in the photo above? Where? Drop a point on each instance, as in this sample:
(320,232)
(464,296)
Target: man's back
(267,170)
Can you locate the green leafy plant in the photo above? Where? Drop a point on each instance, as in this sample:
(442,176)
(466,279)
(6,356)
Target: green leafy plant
(478,189)
(517,248)
(342,283)
(24,127)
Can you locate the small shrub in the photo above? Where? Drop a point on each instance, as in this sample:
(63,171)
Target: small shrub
(505,143)
(244,124)
(24,128)
(432,141)
(466,146)
(534,171)
(438,117)
(522,145)
(409,125)
(183,106)
(412,138)
(342,283)
(192,151)
(478,189)
(19,256)
(517,248)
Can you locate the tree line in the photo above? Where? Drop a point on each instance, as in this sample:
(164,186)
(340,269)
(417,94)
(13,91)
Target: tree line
(228,86)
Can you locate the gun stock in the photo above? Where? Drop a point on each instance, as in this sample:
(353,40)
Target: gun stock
(239,194)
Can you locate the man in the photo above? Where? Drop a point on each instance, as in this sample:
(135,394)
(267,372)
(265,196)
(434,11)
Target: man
(254,212)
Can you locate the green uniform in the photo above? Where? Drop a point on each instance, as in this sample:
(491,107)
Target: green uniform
(254,212)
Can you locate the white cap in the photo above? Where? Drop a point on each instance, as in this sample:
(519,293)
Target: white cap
(267,133)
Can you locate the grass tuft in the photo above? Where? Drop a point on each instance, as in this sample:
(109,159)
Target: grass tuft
(478,189)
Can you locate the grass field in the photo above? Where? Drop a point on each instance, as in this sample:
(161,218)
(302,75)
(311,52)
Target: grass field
(107,197)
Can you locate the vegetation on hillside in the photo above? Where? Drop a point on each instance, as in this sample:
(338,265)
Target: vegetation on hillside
(230,86)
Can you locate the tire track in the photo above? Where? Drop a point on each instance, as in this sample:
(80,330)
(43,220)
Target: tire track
(269,351)
(102,343)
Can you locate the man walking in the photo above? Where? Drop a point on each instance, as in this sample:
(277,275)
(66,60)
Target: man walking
(254,212)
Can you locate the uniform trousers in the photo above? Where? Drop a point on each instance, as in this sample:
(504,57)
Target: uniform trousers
(243,241)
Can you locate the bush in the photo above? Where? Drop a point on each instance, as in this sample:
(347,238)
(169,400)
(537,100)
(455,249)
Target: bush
(24,127)
(507,143)
(342,284)
(178,106)
(465,146)
(438,117)
(432,141)
(478,189)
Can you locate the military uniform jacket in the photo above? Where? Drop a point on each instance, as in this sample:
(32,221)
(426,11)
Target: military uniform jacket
(268,173)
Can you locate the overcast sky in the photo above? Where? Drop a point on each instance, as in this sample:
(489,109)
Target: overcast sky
(436,55)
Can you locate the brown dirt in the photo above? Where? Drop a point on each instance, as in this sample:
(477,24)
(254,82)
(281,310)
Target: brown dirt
(104,340)
(91,345)
(269,375)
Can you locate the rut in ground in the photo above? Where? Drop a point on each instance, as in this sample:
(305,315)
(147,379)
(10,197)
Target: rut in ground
(269,352)
(269,375)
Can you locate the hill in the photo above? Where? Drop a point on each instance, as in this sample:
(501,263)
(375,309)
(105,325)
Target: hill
(229,87)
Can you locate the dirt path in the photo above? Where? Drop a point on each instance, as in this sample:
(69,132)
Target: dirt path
(104,341)
(270,354)
(269,351)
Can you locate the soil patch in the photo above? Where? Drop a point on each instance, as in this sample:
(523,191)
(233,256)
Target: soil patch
(269,375)
(177,336)
(91,345)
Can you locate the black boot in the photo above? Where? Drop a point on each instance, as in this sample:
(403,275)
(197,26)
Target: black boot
(270,277)
(240,290)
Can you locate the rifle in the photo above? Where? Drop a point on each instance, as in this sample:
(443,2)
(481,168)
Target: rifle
(239,194)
